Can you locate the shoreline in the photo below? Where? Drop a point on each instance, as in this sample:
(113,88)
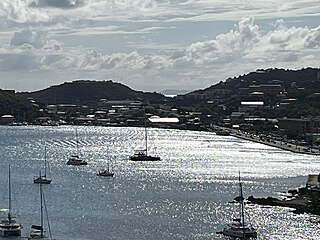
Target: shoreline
(276,143)
(303,200)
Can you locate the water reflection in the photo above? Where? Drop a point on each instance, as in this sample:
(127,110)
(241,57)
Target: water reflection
(184,196)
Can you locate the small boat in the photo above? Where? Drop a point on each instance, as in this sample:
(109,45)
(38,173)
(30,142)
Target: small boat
(239,228)
(9,227)
(223,132)
(106,172)
(142,155)
(43,178)
(75,159)
(38,231)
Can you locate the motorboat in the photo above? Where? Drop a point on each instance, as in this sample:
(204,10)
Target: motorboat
(76,160)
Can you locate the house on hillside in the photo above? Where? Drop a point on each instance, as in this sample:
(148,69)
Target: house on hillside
(299,125)
(7,119)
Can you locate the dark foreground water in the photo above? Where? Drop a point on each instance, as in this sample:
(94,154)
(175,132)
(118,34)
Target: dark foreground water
(185,196)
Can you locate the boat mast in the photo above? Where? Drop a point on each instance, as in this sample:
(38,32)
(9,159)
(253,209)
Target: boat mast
(77,142)
(45,161)
(41,210)
(9,212)
(146,136)
(241,202)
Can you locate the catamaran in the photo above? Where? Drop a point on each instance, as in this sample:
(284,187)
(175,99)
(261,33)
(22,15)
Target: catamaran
(239,228)
(38,231)
(9,227)
(75,158)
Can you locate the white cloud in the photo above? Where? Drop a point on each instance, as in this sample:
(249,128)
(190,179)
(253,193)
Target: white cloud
(34,39)
(64,4)
(247,41)
(149,42)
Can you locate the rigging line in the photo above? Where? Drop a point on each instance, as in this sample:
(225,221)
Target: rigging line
(47,217)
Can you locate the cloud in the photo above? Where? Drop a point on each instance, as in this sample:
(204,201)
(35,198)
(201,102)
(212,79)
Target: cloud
(64,4)
(294,38)
(247,41)
(243,48)
(36,39)
(244,43)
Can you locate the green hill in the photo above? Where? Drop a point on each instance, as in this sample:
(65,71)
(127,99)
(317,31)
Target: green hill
(303,78)
(19,107)
(302,85)
(88,92)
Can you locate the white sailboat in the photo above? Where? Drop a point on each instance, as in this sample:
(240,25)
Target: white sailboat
(239,228)
(142,154)
(38,231)
(75,158)
(9,226)
(43,178)
(106,172)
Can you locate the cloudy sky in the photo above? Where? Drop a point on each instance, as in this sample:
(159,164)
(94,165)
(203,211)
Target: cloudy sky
(153,45)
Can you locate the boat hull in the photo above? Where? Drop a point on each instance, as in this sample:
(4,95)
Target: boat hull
(239,233)
(42,180)
(144,158)
(105,174)
(10,231)
(76,163)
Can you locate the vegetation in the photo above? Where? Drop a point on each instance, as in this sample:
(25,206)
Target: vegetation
(20,108)
(88,92)
(301,87)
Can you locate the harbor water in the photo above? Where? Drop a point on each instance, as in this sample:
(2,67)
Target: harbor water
(186,195)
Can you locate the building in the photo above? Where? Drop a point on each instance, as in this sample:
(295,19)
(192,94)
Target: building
(295,126)
(313,181)
(299,125)
(7,119)
(270,89)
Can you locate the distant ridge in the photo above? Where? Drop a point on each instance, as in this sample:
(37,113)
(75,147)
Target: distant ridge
(175,92)
(88,91)
(304,77)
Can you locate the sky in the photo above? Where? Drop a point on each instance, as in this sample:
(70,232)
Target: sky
(153,45)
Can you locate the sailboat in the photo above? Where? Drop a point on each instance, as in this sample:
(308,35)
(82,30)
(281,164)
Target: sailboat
(38,231)
(239,228)
(75,158)
(9,226)
(142,155)
(43,178)
(106,172)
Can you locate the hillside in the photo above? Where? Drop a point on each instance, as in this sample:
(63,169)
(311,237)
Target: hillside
(11,104)
(303,78)
(301,87)
(88,92)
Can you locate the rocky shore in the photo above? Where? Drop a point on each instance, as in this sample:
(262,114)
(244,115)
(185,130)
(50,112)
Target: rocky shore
(303,200)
